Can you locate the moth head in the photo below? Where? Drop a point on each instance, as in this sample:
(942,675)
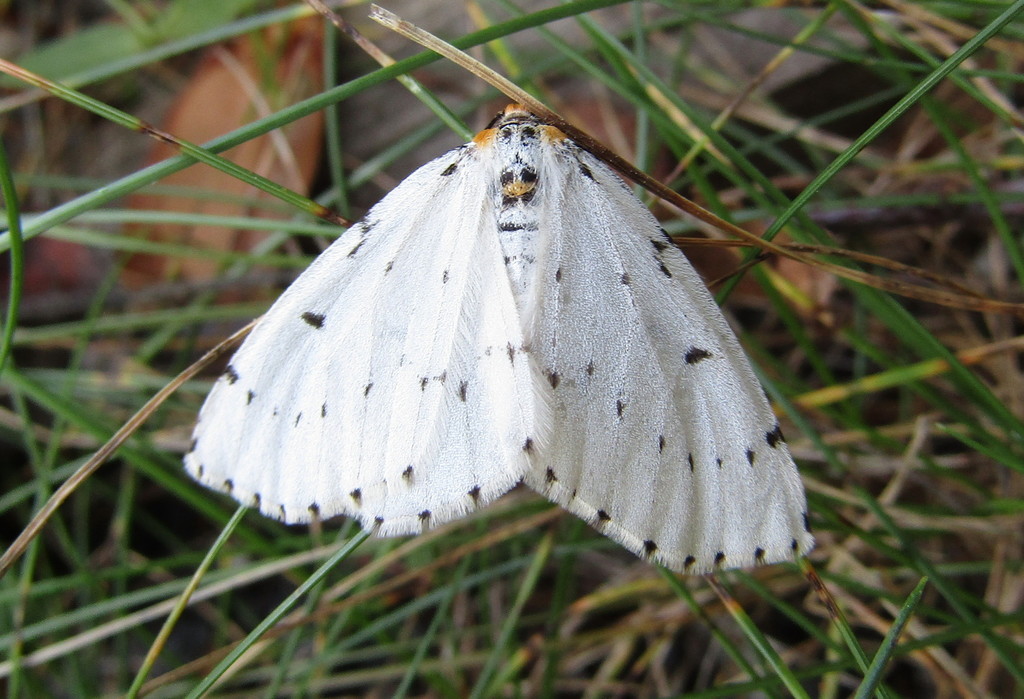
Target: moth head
(517,117)
(512,114)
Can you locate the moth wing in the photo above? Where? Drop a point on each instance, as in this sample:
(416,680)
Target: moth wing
(663,438)
(383,383)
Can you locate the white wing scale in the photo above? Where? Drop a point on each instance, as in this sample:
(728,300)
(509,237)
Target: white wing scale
(662,436)
(380,384)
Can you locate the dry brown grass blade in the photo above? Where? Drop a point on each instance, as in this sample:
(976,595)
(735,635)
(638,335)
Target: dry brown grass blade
(343,25)
(342,596)
(31,531)
(784,54)
(584,140)
(967,298)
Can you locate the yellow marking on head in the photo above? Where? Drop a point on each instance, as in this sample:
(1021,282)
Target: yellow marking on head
(511,113)
(485,138)
(517,188)
(551,134)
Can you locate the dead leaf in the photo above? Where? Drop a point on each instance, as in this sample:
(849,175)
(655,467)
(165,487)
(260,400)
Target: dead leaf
(228,90)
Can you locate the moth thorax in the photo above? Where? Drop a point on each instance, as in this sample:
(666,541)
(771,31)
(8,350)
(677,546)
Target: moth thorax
(516,204)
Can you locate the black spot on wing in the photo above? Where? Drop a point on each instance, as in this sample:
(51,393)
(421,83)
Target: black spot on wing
(463,387)
(719,558)
(696,354)
(231,374)
(450,169)
(603,516)
(366,389)
(585,171)
(323,410)
(750,456)
(249,395)
(193,444)
(550,477)
(807,523)
(659,247)
(554,378)
(314,319)
(528,445)
(558,274)
(407,474)
(759,555)
(357,497)
(423,383)
(590,368)
(650,548)
(689,458)
(389,266)
(314,510)
(474,493)
(625,279)
(282,512)
(378,520)
(298,419)
(353,251)
(444,277)
(661,443)
(688,562)
(774,438)
(425,516)
(229,485)
(256,500)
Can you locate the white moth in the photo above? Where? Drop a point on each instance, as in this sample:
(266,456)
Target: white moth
(510,313)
